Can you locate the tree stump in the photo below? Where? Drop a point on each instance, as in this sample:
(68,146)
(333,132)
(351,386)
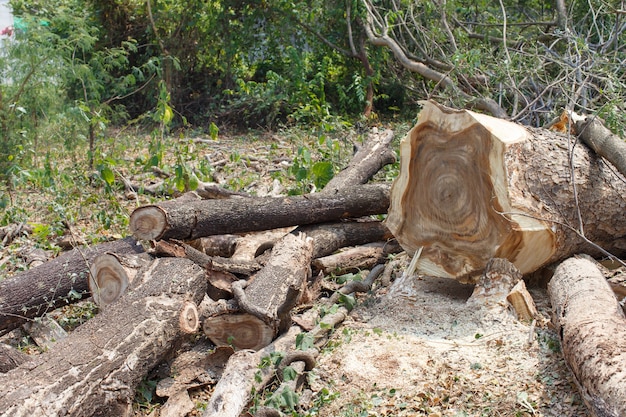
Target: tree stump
(473,187)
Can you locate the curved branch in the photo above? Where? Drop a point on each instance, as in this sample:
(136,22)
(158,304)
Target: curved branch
(383,39)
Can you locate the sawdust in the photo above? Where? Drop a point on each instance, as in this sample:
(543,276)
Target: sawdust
(419,349)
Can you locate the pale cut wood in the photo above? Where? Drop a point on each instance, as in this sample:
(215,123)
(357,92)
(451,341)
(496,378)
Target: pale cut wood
(199,218)
(56,283)
(95,370)
(219,284)
(592,330)
(522,302)
(473,187)
(356,258)
(240,330)
(111,274)
(496,282)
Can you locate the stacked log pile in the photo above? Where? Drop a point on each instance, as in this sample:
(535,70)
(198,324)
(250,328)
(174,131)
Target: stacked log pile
(477,200)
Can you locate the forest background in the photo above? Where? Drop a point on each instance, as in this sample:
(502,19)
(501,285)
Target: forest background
(87,83)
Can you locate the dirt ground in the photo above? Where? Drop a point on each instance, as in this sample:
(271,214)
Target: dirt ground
(417,349)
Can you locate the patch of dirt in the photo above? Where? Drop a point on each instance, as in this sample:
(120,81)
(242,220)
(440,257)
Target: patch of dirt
(419,349)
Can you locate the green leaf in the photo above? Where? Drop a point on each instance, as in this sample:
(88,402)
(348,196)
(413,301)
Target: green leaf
(290,398)
(107,175)
(289,374)
(322,173)
(347,300)
(304,341)
(213,131)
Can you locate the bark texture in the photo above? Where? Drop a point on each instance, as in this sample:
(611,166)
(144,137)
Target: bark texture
(473,187)
(94,371)
(200,218)
(592,329)
(63,280)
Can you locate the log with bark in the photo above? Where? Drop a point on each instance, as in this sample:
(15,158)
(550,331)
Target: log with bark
(111,274)
(58,282)
(473,187)
(266,300)
(592,330)
(94,371)
(194,219)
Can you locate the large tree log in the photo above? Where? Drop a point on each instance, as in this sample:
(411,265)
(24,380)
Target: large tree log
(94,371)
(592,329)
(267,298)
(58,282)
(473,187)
(195,219)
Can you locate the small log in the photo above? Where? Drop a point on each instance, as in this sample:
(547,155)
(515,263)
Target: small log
(354,259)
(267,299)
(592,330)
(329,237)
(194,219)
(94,371)
(375,153)
(58,282)
(218,245)
(251,245)
(219,284)
(217,263)
(598,137)
(111,274)
(473,187)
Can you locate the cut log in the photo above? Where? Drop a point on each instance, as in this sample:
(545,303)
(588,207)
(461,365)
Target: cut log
(218,245)
(375,153)
(56,283)
(357,258)
(473,187)
(111,274)
(329,237)
(592,330)
(267,299)
(219,284)
(94,371)
(599,138)
(195,219)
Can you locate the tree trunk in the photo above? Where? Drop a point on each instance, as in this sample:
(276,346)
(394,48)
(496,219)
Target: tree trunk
(94,371)
(473,187)
(266,299)
(11,358)
(195,219)
(56,283)
(592,329)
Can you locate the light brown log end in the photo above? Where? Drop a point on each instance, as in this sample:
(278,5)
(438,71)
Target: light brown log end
(148,223)
(522,302)
(108,279)
(189,318)
(452,196)
(219,284)
(241,331)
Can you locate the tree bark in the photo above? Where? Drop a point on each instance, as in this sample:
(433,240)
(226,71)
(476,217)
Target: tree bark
(592,330)
(195,219)
(603,142)
(63,280)
(473,187)
(94,371)
(357,258)
(11,358)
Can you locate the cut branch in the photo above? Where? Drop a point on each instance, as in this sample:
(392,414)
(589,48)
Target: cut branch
(195,219)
